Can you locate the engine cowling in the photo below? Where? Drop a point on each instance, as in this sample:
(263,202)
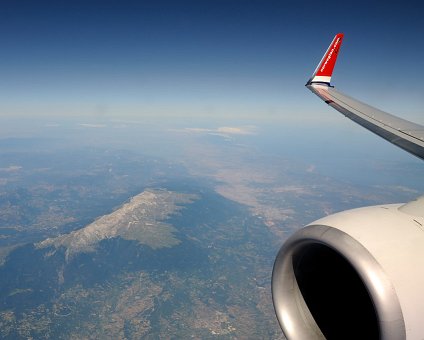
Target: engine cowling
(354,275)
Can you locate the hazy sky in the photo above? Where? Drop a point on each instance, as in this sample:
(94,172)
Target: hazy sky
(223,58)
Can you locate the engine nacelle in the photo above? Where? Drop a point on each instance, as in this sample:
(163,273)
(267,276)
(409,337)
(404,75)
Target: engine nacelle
(358,274)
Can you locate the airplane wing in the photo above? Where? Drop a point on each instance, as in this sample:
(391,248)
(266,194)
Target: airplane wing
(405,134)
(356,274)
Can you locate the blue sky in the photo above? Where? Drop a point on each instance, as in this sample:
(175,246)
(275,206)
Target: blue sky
(213,58)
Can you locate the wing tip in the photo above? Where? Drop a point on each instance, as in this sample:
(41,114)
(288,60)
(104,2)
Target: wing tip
(324,70)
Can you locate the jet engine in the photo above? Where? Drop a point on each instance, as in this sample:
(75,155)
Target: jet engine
(357,274)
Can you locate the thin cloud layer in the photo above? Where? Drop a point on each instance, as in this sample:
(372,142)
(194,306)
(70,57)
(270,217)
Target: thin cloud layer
(226,131)
(95,126)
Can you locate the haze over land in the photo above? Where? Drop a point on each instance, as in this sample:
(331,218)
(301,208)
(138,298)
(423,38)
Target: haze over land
(160,231)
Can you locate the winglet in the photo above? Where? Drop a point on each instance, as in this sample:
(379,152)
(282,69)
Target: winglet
(325,67)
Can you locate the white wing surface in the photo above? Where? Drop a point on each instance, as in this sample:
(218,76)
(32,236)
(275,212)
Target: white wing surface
(403,133)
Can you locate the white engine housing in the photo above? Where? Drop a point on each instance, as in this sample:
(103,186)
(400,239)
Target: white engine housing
(354,274)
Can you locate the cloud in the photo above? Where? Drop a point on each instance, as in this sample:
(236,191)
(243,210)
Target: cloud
(197,130)
(244,130)
(226,131)
(92,125)
(52,125)
(11,168)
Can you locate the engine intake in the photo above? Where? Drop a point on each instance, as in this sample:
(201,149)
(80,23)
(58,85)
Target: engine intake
(326,284)
(334,293)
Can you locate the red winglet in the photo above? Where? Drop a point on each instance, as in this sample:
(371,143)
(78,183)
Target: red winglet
(325,68)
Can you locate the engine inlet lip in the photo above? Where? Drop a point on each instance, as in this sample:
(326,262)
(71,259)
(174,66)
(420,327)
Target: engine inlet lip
(291,310)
